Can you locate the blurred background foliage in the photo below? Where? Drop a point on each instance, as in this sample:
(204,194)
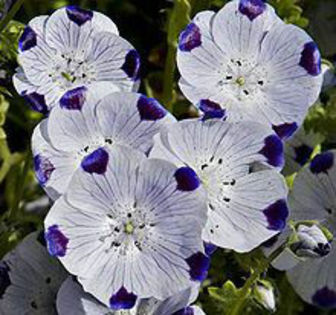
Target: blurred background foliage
(152,26)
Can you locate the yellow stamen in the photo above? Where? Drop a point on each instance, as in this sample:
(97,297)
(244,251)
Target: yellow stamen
(129,228)
(240,81)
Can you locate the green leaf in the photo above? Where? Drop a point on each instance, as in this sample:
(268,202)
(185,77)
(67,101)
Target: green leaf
(179,17)
(227,295)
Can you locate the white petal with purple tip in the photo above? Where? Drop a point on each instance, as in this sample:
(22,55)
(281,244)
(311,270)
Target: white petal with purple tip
(313,198)
(246,59)
(75,48)
(225,157)
(133,231)
(86,122)
(30,279)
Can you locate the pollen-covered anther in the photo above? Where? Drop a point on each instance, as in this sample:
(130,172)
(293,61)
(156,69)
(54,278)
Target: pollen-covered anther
(240,81)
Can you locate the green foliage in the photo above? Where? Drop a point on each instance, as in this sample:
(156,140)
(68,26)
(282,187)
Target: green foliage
(290,11)
(322,118)
(9,41)
(225,297)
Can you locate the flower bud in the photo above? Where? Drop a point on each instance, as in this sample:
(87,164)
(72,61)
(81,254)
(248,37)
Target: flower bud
(312,242)
(264,294)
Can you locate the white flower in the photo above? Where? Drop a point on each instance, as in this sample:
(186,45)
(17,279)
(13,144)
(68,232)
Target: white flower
(311,242)
(30,279)
(299,150)
(314,198)
(265,295)
(73,48)
(246,201)
(74,135)
(72,299)
(131,231)
(248,61)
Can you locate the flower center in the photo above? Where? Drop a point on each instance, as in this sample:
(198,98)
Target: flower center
(240,81)
(68,77)
(71,70)
(129,228)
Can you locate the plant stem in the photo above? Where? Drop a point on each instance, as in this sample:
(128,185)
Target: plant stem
(21,183)
(246,289)
(179,17)
(10,15)
(6,159)
(169,72)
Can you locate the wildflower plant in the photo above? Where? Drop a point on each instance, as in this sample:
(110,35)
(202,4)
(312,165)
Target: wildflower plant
(202,184)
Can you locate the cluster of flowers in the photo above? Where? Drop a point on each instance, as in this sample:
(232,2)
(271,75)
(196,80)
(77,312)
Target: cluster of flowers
(141,200)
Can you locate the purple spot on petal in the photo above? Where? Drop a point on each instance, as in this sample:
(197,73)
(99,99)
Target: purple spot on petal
(302,154)
(37,102)
(56,241)
(4,278)
(28,39)
(311,59)
(78,15)
(199,265)
(185,311)
(206,105)
(190,38)
(276,215)
(150,108)
(96,162)
(122,300)
(187,179)
(211,110)
(325,298)
(43,168)
(220,114)
(321,163)
(285,130)
(252,8)
(209,248)
(73,99)
(131,65)
(273,151)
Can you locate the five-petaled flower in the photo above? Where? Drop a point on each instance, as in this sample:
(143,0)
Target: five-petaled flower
(246,60)
(133,231)
(30,278)
(314,198)
(73,48)
(237,164)
(77,133)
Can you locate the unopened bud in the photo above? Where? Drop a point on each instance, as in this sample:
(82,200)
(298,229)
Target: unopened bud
(312,242)
(264,294)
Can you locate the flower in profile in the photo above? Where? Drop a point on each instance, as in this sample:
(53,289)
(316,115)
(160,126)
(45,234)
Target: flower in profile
(312,242)
(73,49)
(131,231)
(77,133)
(30,278)
(72,299)
(236,163)
(313,198)
(245,60)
